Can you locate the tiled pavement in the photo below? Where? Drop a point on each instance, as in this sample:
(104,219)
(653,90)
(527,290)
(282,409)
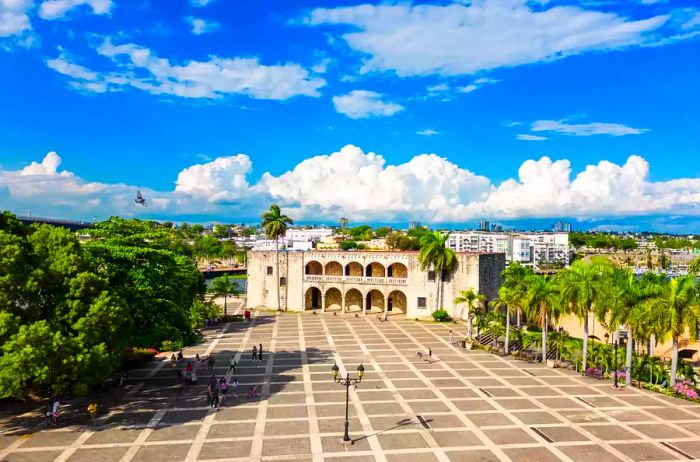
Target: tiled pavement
(475,406)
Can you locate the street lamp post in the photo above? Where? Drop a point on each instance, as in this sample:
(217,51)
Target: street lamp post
(346,382)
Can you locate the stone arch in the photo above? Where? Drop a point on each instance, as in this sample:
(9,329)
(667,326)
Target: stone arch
(396,302)
(333,268)
(374,301)
(353,300)
(397,270)
(333,299)
(313,267)
(354,269)
(375,270)
(312,298)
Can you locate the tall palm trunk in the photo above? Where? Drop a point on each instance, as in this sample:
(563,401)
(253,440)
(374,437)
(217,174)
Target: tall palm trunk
(652,340)
(518,318)
(674,361)
(277,257)
(584,356)
(628,358)
(469,323)
(506,346)
(544,339)
(225,301)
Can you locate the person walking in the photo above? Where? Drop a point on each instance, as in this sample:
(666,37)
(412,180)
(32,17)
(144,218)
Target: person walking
(210,397)
(451,337)
(55,411)
(180,355)
(173,361)
(92,410)
(232,365)
(430,355)
(210,363)
(214,394)
(260,352)
(49,411)
(223,387)
(234,387)
(255,352)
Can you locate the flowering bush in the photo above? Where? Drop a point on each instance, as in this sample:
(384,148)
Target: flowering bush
(686,389)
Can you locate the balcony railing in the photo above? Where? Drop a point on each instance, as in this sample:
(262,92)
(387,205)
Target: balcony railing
(355,279)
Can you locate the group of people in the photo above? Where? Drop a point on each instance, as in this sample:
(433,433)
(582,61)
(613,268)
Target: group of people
(257,353)
(218,389)
(53,409)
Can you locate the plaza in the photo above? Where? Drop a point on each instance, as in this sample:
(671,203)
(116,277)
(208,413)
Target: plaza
(462,406)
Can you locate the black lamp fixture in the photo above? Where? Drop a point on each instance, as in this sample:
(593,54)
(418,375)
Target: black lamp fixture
(346,382)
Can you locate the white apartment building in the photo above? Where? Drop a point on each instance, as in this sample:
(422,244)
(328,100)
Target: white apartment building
(530,249)
(307,234)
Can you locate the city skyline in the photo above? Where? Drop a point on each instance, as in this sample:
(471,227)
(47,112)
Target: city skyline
(215,111)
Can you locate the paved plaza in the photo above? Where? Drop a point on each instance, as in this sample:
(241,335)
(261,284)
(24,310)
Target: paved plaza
(463,406)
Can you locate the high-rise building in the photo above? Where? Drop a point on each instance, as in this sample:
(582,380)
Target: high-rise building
(414,224)
(484,225)
(344,224)
(561,227)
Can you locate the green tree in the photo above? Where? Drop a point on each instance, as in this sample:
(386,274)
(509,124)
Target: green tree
(509,298)
(223,286)
(541,303)
(435,253)
(582,288)
(383,231)
(472,300)
(275,224)
(676,309)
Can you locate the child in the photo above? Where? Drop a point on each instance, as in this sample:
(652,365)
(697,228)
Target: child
(253,393)
(173,361)
(92,410)
(223,386)
(234,387)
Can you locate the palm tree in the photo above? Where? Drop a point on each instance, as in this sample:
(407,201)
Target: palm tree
(628,295)
(472,300)
(275,225)
(676,309)
(435,253)
(694,267)
(541,304)
(223,286)
(513,278)
(509,298)
(582,286)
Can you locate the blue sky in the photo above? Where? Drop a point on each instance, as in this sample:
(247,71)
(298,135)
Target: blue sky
(509,110)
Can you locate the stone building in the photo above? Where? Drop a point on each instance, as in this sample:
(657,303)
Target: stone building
(366,281)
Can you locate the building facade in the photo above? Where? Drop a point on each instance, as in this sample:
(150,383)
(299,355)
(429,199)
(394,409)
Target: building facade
(367,281)
(538,250)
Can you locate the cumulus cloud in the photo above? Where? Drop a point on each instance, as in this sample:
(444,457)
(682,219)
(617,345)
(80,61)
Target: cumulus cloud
(201,26)
(138,67)
(360,104)
(222,179)
(427,132)
(14,17)
(419,39)
(589,129)
(57,9)
(364,186)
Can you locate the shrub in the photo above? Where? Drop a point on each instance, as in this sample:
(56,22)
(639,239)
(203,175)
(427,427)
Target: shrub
(686,389)
(171,345)
(441,316)
(534,329)
(137,357)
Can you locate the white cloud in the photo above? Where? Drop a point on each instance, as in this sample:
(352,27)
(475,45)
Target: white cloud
(57,9)
(427,132)
(693,22)
(140,68)
(360,104)
(222,179)
(14,17)
(589,129)
(201,26)
(200,3)
(419,39)
(362,186)
(527,137)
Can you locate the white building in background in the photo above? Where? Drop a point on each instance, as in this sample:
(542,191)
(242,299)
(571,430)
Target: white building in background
(307,234)
(530,249)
